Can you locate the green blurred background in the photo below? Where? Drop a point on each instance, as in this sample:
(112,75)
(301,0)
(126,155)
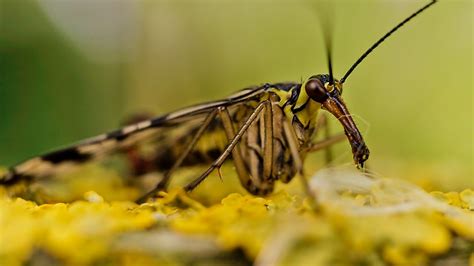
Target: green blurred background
(74,69)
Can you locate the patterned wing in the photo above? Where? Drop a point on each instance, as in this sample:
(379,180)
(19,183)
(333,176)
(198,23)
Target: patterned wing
(161,135)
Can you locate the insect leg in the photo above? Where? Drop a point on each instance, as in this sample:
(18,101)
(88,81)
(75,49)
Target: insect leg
(292,140)
(228,150)
(256,182)
(266,181)
(166,177)
(237,157)
(329,141)
(327,133)
(268,143)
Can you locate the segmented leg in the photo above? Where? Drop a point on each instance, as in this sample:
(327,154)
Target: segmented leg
(256,182)
(323,144)
(292,140)
(268,143)
(162,185)
(236,152)
(228,150)
(323,124)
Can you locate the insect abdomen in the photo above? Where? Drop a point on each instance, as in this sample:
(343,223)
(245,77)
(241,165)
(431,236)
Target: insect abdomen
(167,151)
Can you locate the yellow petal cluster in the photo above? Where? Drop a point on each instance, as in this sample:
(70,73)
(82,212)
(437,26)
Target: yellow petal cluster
(362,221)
(78,233)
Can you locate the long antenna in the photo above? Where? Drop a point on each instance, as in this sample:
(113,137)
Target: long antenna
(326,18)
(328,43)
(364,55)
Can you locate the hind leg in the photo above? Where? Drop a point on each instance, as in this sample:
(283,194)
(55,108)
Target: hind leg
(162,185)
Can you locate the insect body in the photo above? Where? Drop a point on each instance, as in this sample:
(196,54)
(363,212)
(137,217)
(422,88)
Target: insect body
(267,130)
(277,118)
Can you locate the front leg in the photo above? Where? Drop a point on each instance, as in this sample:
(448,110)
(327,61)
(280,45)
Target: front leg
(292,141)
(323,124)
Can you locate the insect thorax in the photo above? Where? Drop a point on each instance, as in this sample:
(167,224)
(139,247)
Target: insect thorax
(300,110)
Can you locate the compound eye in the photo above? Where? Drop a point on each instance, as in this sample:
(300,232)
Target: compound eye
(316,91)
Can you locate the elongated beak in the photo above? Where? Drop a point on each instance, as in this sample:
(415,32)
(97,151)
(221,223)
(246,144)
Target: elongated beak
(336,106)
